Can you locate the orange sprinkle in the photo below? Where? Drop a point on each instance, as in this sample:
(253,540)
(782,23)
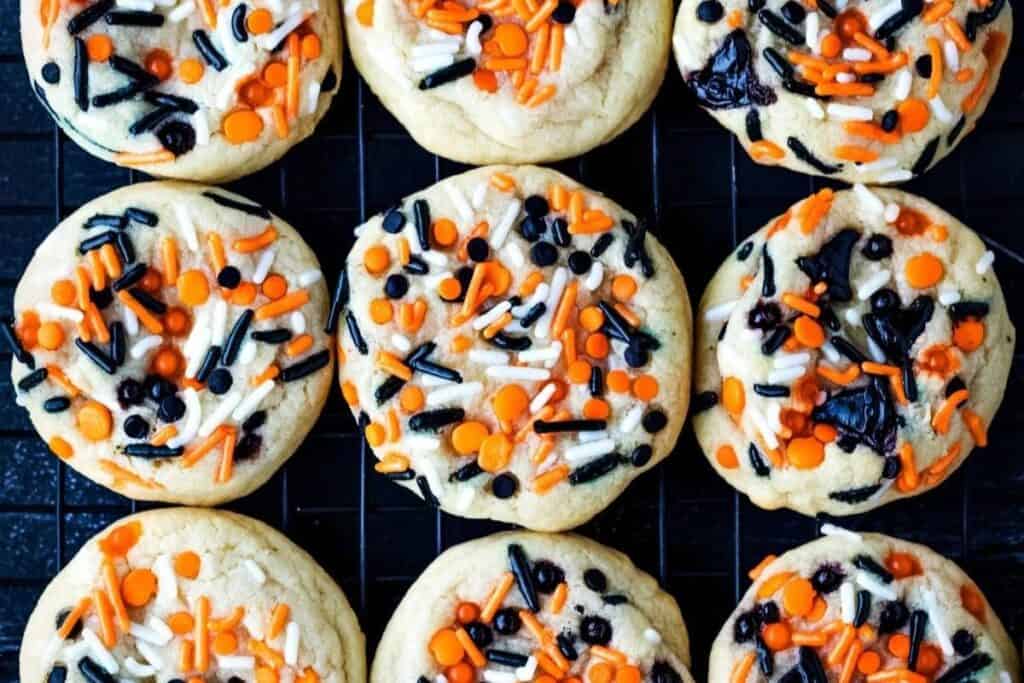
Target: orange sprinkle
(496,598)
(255,243)
(286,304)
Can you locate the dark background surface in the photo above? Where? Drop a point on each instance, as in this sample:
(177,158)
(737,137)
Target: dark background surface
(679,522)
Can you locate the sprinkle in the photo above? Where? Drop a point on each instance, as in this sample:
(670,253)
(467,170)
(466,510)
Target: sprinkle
(814,109)
(948,294)
(254,571)
(631,420)
(557,287)
(873,585)
(144,346)
(182,11)
(873,284)
(485,319)
(220,414)
(830,529)
(869,200)
(720,312)
(263,266)
(269,41)
(984,263)
(306,367)
(892,212)
(940,110)
(652,636)
(934,614)
(789,360)
(546,354)
(952,56)
(451,393)
(193,419)
(847,601)
(187,228)
(849,112)
(542,398)
(585,452)
(236,662)
(49,310)
(487,357)
(786,375)
(595,276)
(308,277)
(99,652)
(209,53)
(513,372)
(901,84)
(291,643)
(500,232)
(762,426)
(236,336)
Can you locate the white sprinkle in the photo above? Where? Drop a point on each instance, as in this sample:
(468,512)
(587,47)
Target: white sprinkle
(479,195)
(940,109)
(848,112)
(440,47)
(146,634)
(268,41)
(948,294)
(558,280)
(495,676)
(856,54)
(814,109)
(844,77)
(255,571)
(131,321)
(459,200)
(811,25)
(572,37)
(137,668)
(830,529)
(879,164)
(527,671)
(786,375)
(144,346)
(485,319)
(401,342)
(188,230)
(263,266)
(831,354)
(219,324)
(488,357)
(151,654)
(631,420)
(500,232)
(473,46)
(308,277)
(248,406)
(166,582)
(73,653)
(542,398)
(879,17)
(248,352)
(847,602)
(312,98)
(99,652)
(513,255)
(585,452)
(193,418)
(594,277)
(419,442)
(291,643)
(985,262)
(424,65)
(892,212)
(720,311)
(297,321)
(873,284)
(586,437)
(182,11)
(431,381)
(540,294)
(952,56)
(517,373)
(875,351)
(453,393)
(937,622)
(435,258)
(432,281)
(789,360)
(873,585)
(157,626)
(220,413)
(464,498)
(652,636)
(49,310)
(869,201)
(236,662)
(202,127)
(901,84)
(762,426)
(542,355)
(897,176)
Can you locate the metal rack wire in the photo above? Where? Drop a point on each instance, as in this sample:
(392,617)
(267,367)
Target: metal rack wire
(679,522)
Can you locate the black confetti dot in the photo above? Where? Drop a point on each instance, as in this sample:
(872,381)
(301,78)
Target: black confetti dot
(394,221)
(136,427)
(543,254)
(547,576)
(595,630)
(564,13)
(51,73)
(595,580)
(130,393)
(171,409)
(396,286)
(579,262)
(654,421)
(507,621)
(504,485)
(536,205)
(220,381)
(178,137)
(710,11)
(478,249)
(877,248)
(793,12)
(229,277)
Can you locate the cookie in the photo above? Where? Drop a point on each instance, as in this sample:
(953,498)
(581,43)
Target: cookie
(516,346)
(858,91)
(192,89)
(862,607)
(511,81)
(169,342)
(534,607)
(178,594)
(851,352)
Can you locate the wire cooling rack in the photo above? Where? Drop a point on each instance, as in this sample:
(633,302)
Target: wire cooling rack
(679,522)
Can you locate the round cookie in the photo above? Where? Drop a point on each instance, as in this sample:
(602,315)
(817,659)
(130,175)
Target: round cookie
(529,359)
(178,594)
(534,607)
(191,89)
(169,342)
(862,607)
(851,352)
(512,81)
(860,91)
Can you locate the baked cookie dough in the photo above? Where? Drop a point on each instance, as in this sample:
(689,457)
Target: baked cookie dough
(851,352)
(859,608)
(516,346)
(188,594)
(511,81)
(193,89)
(169,342)
(522,606)
(870,92)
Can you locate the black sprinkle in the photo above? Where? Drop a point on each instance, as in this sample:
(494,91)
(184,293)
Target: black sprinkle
(452,72)
(14,345)
(771,390)
(534,314)
(122,94)
(778,63)
(338,302)
(143,216)
(81,74)
(105,220)
(355,334)
(705,400)
(965,668)
(761,468)
(89,16)
(804,155)
(870,565)
(236,336)
(421,215)
(774,23)
(976,20)
(509,342)
(32,379)
(210,361)
(926,158)
(857,495)
(918,624)
(847,349)
(276,336)
(306,367)
(151,120)
(596,384)
(594,469)
(954,133)
(892,25)
(148,450)
(768,286)
(93,353)
(432,420)
(601,244)
(520,567)
(93,672)
(238,29)
(753,122)
(129,277)
(148,301)
(863,609)
(435,370)
(404,475)
(134,18)
(56,404)
(890,120)
(428,495)
(557,426)
(506,658)
(466,472)
(209,53)
(118,342)
(96,241)
(828,9)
